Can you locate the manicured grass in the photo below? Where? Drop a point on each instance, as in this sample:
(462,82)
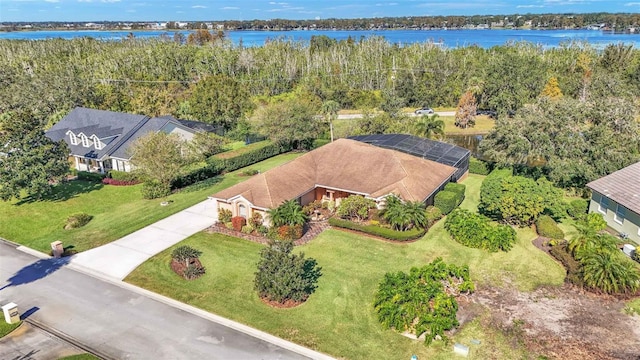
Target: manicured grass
(483,125)
(117,210)
(80,357)
(338,318)
(7,328)
(633,307)
(241,150)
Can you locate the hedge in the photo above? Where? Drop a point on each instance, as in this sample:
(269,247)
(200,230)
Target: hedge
(122,176)
(459,189)
(221,162)
(477,166)
(547,227)
(375,230)
(446,201)
(477,231)
(89,176)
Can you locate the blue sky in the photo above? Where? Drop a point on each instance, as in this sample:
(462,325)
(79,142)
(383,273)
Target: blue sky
(185,10)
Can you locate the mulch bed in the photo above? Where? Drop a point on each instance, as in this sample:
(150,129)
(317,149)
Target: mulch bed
(286,305)
(542,244)
(179,267)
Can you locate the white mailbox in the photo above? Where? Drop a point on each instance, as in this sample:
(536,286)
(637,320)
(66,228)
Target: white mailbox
(11,313)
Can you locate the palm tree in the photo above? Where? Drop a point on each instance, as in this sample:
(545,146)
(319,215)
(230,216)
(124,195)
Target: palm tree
(403,215)
(288,213)
(330,111)
(430,127)
(610,273)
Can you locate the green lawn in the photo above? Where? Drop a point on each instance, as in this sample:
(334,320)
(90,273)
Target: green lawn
(338,319)
(117,210)
(7,328)
(483,125)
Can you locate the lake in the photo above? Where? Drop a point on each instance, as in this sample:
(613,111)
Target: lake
(448,38)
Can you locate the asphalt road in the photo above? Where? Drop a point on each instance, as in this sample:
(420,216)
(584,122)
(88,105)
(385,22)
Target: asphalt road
(115,321)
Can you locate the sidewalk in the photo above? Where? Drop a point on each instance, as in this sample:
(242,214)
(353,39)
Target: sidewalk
(119,258)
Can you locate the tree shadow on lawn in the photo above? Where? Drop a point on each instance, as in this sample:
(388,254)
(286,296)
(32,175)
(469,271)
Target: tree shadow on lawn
(64,191)
(36,271)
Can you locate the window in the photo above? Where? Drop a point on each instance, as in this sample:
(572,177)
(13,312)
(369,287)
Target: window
(96,142)
(72,136)
(603,204)
(620,213)
(242,211)
(85,140)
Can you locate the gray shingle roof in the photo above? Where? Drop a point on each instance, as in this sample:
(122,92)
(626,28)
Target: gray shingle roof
(112,126)
(150,125)
(622,186)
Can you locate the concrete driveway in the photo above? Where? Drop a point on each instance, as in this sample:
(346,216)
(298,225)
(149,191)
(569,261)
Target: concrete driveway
(118,258)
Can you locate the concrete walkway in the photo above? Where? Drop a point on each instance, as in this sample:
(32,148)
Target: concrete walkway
(119,258)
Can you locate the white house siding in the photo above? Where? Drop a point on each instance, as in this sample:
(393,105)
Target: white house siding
(630,221)
(172,128)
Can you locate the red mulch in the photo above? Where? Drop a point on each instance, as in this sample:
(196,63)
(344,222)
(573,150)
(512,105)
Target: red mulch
(286,305)
(179,267)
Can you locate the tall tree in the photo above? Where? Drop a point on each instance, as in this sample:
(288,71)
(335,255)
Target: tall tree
(29,161)
(466,111)
(219,100)
(330,110)
(289,122)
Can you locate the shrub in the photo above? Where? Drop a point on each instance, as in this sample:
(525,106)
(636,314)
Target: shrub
(572,266)
(224,215)
(185,253)
(433,215)
(114,182)
(313,206)
(77,220)
(477,166)
(247,229)
(89,176)
(262,230)
(122,176)
(578,208)
(355,207)
(422,301)
(491,192)
(459,189)
(547,227)
(266,150)
(193,271)
(190,267)
(610,272)
(446,201)
(212,168)
(256,220)
(155,190)
(376,230)
(476,231)
(290,232)
(238,222)
(250,172)
(283,276)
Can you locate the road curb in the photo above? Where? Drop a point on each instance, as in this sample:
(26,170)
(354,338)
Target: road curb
(285,344)
(68,339)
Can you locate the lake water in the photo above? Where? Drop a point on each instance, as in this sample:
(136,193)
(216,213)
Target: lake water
(448,38)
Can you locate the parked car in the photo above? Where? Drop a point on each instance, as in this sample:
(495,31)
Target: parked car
(489,113)
(424,111)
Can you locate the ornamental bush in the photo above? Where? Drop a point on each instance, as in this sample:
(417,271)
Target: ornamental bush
(77,220)
(154,190)
(122,176)
(578,208)
(457,188)
(90,176)
(547,227)
(477,166)
(224,215)
(422,301)
(283,276)
(477,231)
(355,207)
(377,230)
(446,201)
(238,222)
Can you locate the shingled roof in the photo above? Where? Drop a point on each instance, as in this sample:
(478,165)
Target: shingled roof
(347,165)
(622,186)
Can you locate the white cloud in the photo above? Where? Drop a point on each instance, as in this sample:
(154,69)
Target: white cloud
(198,7)
(529,6)
(52,1)
(230,8)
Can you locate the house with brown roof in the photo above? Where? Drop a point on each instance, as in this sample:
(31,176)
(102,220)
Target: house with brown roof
(335,171)
(617,197)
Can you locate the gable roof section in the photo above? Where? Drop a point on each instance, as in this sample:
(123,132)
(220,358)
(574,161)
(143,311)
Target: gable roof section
(622,186)
(347,165)
(104,124)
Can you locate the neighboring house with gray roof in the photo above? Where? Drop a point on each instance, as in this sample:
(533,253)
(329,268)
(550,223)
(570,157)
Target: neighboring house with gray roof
(617,197)
(99,140)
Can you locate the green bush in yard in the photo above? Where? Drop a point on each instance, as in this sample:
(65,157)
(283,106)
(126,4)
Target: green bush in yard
(154,190)
(122,175)
(477,166)
(253,156)
(376,230)
(77,220)
(446,201)
(433,214)
(212,168)
(477,231)
(459,189)
(547,227)
(89,176)
(578,208)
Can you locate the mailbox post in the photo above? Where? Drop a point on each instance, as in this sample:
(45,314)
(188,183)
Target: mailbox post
(57,249)
(11,313)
